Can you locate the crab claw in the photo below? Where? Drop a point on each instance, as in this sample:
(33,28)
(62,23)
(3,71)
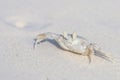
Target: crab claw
(38,39)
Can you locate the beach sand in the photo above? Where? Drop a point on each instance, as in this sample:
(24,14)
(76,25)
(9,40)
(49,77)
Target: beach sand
(21,21)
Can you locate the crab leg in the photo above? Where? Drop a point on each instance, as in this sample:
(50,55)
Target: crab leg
(89,58)
(35,41)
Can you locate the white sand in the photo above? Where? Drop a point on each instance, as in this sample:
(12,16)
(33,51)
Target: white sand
(22,20)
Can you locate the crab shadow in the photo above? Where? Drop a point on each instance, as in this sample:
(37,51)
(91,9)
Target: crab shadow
(102,55)
(53,42)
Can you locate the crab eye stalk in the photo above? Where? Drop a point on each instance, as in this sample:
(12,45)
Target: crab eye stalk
(74,35)
(65,35)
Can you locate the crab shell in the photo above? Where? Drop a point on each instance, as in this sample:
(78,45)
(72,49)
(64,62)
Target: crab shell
(75,44)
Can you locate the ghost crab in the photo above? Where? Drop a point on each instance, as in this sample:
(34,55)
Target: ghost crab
(73,43)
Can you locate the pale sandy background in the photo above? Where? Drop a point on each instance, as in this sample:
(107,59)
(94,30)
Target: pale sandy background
(22,20)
